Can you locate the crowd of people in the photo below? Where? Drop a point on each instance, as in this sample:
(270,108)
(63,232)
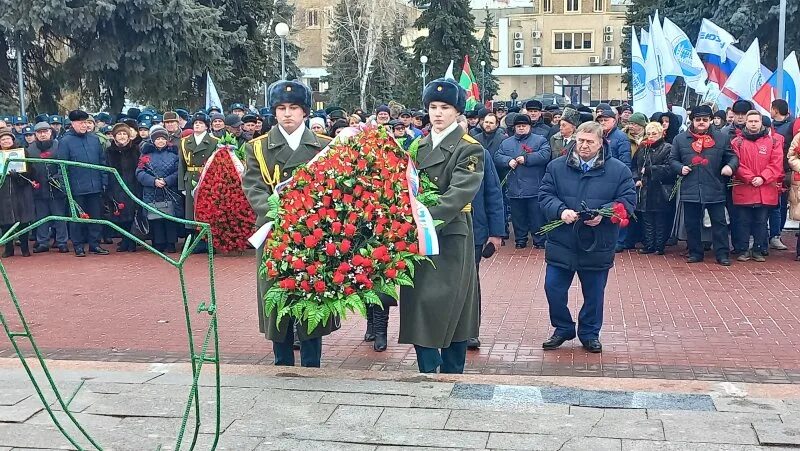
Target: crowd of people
(724,181)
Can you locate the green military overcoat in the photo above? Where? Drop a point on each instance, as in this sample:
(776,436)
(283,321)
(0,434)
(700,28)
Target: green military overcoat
(443,305)
(192,158)
(263,155)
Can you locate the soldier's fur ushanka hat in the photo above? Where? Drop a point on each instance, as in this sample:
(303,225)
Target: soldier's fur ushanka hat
(294,92)
(445,90)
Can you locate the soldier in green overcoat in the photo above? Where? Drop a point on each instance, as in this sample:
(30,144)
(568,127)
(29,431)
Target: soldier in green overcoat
(194,150)
(442,311)
(271,159)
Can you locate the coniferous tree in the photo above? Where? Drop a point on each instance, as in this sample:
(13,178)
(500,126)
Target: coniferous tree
(451,28)
(487,82)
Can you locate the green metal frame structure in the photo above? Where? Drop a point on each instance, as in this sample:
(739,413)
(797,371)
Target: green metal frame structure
(211,339)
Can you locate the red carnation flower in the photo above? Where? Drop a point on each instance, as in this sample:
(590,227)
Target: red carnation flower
(338,278)
(344,246)
(349,229)
(391,273)
(310,241)
(305,286)
(413,248)
(358,260)
(319,286)
(298,265)
(330,249)
(343,268)
(336,227)
(287,284)
(312,270)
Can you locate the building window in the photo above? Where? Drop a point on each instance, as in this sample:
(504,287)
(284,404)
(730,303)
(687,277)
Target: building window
(547,6)
(572,6)
(572,41)
(598,6)
(313,18)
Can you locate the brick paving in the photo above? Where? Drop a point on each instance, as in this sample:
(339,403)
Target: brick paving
(663,318)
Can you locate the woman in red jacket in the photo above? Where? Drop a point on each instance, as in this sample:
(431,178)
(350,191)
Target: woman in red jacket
(756,183)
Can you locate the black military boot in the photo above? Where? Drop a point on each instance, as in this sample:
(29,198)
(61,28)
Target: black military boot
(380,323)
(370,334)
(9,251)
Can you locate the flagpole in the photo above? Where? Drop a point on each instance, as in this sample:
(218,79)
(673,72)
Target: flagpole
(685,93)
(208,90)
(781,48)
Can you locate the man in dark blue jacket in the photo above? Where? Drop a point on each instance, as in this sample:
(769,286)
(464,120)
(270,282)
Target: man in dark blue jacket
(87,185)
(488,221)
(538,126)
(583,179)
(527,155)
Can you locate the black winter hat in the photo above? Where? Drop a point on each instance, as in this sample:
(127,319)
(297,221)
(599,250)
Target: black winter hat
(722,115)
(742,106)
(383,109)
(289,91)
(701,111)
(445,90)
(202,117)
(533,105)
(522,119)
(78,115)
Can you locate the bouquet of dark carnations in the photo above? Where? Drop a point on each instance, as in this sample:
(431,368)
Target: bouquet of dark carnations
(616,213)
(343,231)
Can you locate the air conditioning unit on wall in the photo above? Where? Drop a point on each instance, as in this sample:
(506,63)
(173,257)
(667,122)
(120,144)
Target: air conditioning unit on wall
(536,61)
(518,59)
(536,51)
(608,38)
(517,35)
(594,60)
(608,29)
(537,34)
(519,46)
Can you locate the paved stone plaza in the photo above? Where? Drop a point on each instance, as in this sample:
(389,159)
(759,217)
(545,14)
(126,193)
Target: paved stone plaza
(138,407)
(663,318)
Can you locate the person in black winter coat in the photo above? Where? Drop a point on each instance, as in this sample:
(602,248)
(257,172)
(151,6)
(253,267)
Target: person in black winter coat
(123,155)
(16,199)
(704,158)
(157,172)
(654,179)
(49,199)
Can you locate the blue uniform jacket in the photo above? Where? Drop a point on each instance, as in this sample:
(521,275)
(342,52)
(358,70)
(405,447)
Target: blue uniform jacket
(566,186)
(523,182)
(487,207)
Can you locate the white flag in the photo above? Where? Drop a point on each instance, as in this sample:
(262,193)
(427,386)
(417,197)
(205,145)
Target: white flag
(654,80)
(714,40)
(642,97)
(683,53)
(643,40)
(212,96)
(746,79)
(449,73)
(669,68)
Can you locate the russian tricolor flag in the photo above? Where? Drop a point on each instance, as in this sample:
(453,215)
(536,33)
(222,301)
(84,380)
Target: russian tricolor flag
(791,83)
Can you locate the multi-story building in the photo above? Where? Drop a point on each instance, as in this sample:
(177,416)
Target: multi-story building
(312,26)
(566,47)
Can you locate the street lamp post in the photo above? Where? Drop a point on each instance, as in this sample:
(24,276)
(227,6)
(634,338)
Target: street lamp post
(424,60)
(483,81)
(282,30)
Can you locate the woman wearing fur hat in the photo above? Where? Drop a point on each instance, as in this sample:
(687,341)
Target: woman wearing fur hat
(123,155)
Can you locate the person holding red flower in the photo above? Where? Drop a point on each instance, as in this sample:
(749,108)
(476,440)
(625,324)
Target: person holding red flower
(703,158)
(441,312)
(574,188)
(271,159)
(49,199)
(756,185)
(123,155)
(654,179)
(527,155)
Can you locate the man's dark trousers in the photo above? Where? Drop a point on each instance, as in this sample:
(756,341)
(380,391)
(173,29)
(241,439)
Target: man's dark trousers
(310,351)
(693,220)
(590,319)
(81,234)
(527,217)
